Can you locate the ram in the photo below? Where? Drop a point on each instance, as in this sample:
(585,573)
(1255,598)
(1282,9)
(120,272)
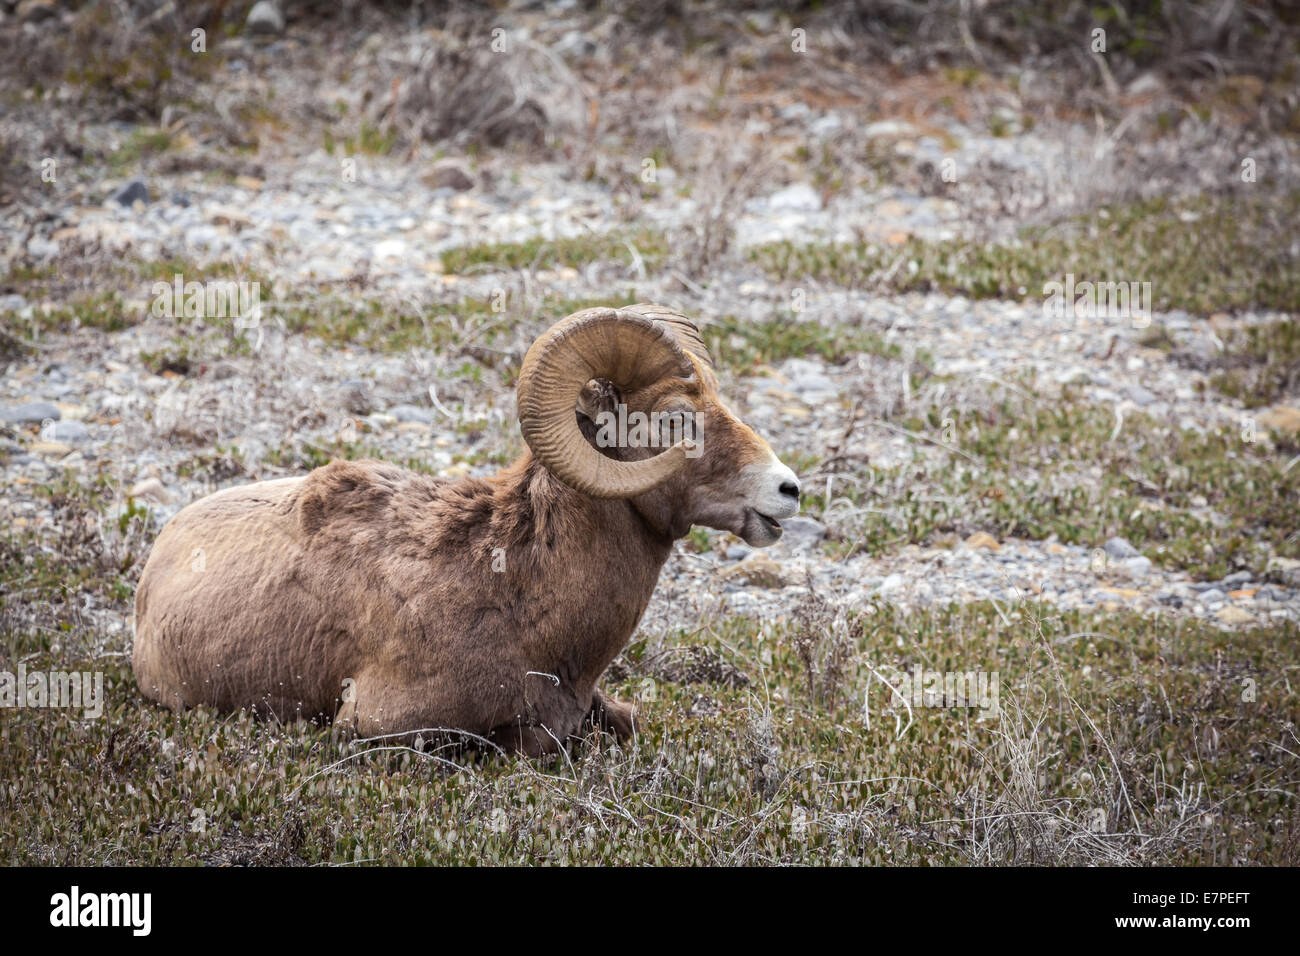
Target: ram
(391,602)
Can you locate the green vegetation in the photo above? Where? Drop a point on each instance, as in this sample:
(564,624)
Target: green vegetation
(104,311)
(1260,363)
(1209,503)
(1205,255)
(755,749)
(142,142)
(741,345)
(541,253)
(756,745)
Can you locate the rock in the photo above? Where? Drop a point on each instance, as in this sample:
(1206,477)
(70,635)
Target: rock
(412,413)
(1283,418)
(229,217)
(739,552)
(802,532)
(151,489)
(797,198)
(1237,577)
(1213,596)
(1119,548)
(983,540)
(814,382)
(50,449)
(1288,569)
(34,11)
(758,571)
(389,249)
(355,397)
(449,173)
(1127,594)
(1140,396)
(828,124)
(577,43)
(265,19)
(131,193)
(884,128)
(31,413)
(70,431)
(1138,567)
(892,583)
(1229,614)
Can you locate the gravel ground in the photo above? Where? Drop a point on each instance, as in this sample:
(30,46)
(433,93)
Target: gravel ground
(90,404)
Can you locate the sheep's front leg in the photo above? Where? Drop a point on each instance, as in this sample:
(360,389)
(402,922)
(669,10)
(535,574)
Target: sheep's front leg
(613,715)
(525,739)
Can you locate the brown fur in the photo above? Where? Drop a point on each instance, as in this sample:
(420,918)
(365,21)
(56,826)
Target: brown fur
(366,594)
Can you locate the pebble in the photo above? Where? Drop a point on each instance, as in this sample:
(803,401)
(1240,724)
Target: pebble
(891,583)
(797,198)
(67,431)
(150,489)
(412,413)
(31,413)
(449,173)
(1233,615)
(1120,548)
(131,193)
(1140,396)
(802,532)
(982,539)
(1138,567)
(264,19)
(50,449)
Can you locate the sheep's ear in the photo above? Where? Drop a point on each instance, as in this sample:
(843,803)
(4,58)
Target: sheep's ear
(597,396)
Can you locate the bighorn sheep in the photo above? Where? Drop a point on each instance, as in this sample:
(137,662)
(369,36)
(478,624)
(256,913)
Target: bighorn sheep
(391,601)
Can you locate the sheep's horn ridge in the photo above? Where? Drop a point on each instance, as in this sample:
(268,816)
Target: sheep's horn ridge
(620,345)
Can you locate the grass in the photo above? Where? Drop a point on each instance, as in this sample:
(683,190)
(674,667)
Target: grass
(1260,363)
(105,311)
(541,253)
(1207,503)
(141,143)
(741,345)
(1205,255)
(757,752)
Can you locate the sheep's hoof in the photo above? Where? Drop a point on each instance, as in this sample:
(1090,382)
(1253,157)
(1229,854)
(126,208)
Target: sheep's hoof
(614,716)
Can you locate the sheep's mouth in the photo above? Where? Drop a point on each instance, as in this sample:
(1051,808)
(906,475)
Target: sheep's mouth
(760,529)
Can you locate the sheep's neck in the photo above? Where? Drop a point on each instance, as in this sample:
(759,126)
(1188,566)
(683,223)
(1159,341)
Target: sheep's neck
(597,561)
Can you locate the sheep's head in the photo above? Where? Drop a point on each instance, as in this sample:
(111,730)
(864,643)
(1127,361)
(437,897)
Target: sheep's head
(624,403)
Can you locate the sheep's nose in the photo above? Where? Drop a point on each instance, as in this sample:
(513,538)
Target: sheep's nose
(790,489)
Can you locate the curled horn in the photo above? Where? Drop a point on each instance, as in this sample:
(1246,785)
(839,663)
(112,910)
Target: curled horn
(624,346)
